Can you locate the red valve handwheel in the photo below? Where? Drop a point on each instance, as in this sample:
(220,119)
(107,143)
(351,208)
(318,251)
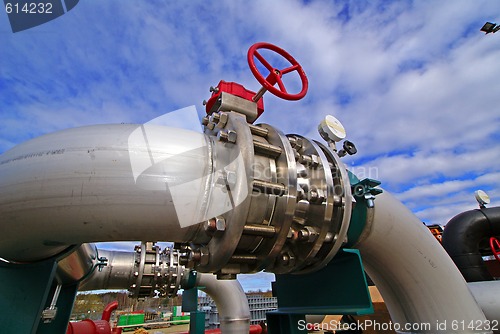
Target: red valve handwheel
(495,247)
(274,73)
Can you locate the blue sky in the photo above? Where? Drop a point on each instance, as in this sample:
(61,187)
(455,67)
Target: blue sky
(415,83)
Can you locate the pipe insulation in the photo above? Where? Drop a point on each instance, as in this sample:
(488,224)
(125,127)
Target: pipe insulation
(462,237)
(419,282)
(103,183)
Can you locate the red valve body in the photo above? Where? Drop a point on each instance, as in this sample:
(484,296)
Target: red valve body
(236,89)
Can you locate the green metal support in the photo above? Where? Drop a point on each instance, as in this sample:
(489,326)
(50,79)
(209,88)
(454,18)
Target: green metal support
(196,318)
(64,306)
(343,291)
(26,290)
(364,192)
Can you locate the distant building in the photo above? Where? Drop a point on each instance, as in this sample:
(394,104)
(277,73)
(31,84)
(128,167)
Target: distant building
(258,303)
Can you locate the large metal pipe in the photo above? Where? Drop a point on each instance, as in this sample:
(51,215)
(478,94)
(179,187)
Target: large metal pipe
(231,302)
(102,183)
(487,295)
(117,274)
(462,237)
(420,284)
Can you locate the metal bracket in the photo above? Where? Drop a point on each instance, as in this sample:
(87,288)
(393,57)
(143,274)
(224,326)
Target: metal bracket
(366,189)
(229,102)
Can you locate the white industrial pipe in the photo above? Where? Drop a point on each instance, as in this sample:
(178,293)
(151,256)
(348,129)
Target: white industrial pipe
(117,274)
(487,295)
(102,183)
(231,302)
(421,286)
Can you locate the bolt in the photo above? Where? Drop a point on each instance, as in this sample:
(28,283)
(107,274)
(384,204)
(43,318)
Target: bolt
(316,196)
(314,161)
(204,256)
(308,234)
(298,143)
(287,259)
(214,118)
(304,235)
(296,155)
(211,126)
(215,226)
(305,159)
(195,256)
(223,118)
(329,237)
(184,258)
(227,136)
(302,172)
(300,193)
(338,201)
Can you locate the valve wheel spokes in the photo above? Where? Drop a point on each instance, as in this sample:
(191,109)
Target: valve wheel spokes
(275,75)
(495,247)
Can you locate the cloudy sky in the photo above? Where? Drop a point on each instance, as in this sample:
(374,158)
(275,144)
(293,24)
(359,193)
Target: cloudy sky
(415,83)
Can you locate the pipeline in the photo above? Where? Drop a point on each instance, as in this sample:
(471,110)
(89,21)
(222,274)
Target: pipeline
(118,182)
(462,237)
(487,296)
(239,198)
(231,302)
(93,184)
(79,185)
(106,313)
(117,274)
(88,326)
(126,270)
(417,279)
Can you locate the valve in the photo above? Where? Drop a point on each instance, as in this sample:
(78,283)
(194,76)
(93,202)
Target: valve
(291,203)
(232,96)
(495,247)
(275,74)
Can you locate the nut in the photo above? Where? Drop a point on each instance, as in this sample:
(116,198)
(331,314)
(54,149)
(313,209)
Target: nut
(215,226)
(223,118)
(227,136)
(287,259)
